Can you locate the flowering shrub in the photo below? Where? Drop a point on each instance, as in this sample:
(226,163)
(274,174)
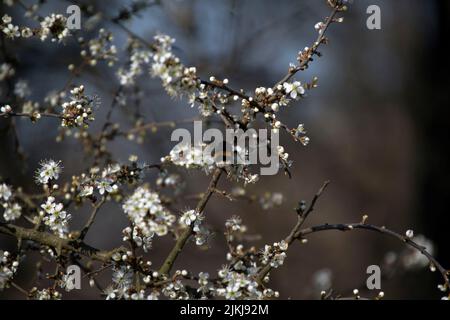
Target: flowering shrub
(42,221)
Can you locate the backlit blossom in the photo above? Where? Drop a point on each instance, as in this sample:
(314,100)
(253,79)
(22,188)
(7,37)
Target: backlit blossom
(5,192)
(294,89)
(54,27)
(8,267)
(146,212)
(12,211)
(49,170)
(55,217)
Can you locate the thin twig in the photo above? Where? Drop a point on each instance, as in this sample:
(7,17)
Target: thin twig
(353,226)
(181,241)
(91,219)
(301,217)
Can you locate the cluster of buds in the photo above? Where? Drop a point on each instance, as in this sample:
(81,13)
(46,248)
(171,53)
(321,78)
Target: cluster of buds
(54,26)
(139,57)
(77,112)
(138,237)
(101,49)
(8,267)
(45,294)
(6,109)
(6,71)
(299,133)
(12,31)
(145,211)
(275,254)
(270,200)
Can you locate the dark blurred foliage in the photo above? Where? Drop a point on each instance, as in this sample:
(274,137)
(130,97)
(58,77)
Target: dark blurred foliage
(378,125)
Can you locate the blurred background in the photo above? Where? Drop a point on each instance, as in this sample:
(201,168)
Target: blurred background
(378,124)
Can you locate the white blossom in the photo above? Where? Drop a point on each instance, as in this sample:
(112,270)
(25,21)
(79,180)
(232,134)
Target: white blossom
(49,170)
(86,191)
(189,217)
(12,211)
(235,224)
(294,89)
(6,19)
(45,294)
(21,89)
(319,26)
(67,282)
(78,112)
(271,200)
(55,217)
(146,212)
(106,185)
(11,31)
(8,267)
(26,32)
(409,234)
(55,27)
(122,278)
(139,58)
(6,71)
(5,192)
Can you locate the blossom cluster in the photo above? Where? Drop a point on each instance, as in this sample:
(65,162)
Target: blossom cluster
(106,181)
(45,294)
(237,285)
(194,219)
(139,56)
(78,111)
(195,157)
(52,27)
(122,286)
(275,254)
(56,217)
(101,49)
(175,77)
(271,200)
(9,29)
(12,209)
(6,71)
(147,214)
(191,157)
(49,170)
(8,267)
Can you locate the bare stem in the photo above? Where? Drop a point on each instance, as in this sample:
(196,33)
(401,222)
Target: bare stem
(91,219)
